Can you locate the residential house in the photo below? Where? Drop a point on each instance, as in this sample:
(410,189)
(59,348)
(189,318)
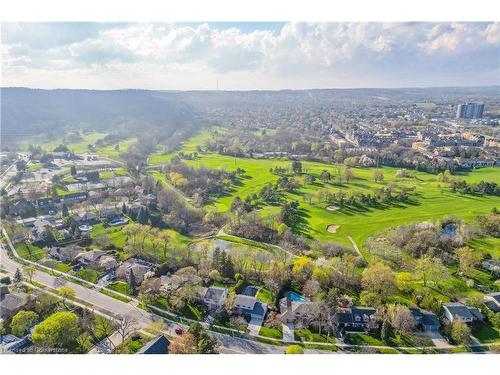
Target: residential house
(89,258)
(86,218)
(12,344)
(249,307)
(97,259)
(357,318)
(430,322)
(107,263)
(158,345)
(458,311)
(214,297)
(22,208)
(45,202)
(11,303)
(425,320)
(39,226)
(109,214)
(492,301)
(293,310)
(417,315)
(65,254)
(73,197)
(136,266)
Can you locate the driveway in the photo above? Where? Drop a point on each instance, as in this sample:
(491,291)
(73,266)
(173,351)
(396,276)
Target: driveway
(254,326)
(438,340)
(288,332)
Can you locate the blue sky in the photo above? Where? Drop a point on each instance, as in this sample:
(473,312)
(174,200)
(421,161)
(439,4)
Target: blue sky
(249,55)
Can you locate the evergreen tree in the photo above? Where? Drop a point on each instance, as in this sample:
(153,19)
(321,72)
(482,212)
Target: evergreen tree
(17,276)
(132,283)
(65,211)
(216,258)
(228,267)
(143,216)
(385,331)
(297,166)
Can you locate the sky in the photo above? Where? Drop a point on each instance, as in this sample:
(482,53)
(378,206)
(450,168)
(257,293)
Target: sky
(249,56)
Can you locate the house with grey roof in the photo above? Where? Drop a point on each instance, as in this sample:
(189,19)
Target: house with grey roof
(11,303)
(65,254)
(458,311)
(249,307)
(430,322)
(492,301)
(295,310)
(136,266)
(158,345)
(357,318)
(214,297)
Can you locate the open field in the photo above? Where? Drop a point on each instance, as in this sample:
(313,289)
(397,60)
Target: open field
(80,145)
(119,238)
(489,245)
(432,199)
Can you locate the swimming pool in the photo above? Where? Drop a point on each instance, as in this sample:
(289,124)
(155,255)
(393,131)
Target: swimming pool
(296,297)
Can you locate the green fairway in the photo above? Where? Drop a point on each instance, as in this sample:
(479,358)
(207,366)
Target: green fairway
(432,199)
(110,151)
(489,245)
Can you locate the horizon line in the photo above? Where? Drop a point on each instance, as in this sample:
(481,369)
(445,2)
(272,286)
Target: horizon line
(251,90)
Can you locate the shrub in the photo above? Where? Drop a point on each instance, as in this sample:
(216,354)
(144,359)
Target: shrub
(294,349)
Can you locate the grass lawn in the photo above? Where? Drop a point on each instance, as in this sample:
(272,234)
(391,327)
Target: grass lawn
(486,333)
(307,335)
(132,345)
(87,274)
(266,296)
(489,245)
(63,267)
(110,150)
(120,287)
(30,252)
(364,339)
(114,295)
(406,340)
(193,311)
(160,158)
(275,332)
(35,167)
(107,175)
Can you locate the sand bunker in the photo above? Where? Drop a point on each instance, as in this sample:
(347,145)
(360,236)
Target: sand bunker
(332,208)
(332,228)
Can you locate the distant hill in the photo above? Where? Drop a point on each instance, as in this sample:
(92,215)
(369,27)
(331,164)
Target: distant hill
(35,111)
(31,111)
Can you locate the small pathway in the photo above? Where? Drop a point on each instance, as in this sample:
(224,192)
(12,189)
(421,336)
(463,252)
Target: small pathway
(254,326)
(356,247)
(288,332)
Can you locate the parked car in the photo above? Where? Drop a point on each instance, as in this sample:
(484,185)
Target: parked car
(179,331)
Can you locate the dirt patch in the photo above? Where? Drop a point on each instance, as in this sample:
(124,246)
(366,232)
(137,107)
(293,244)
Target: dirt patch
(332,228)
(332,208)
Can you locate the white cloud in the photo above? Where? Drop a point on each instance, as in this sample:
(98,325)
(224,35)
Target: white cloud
(180,56)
